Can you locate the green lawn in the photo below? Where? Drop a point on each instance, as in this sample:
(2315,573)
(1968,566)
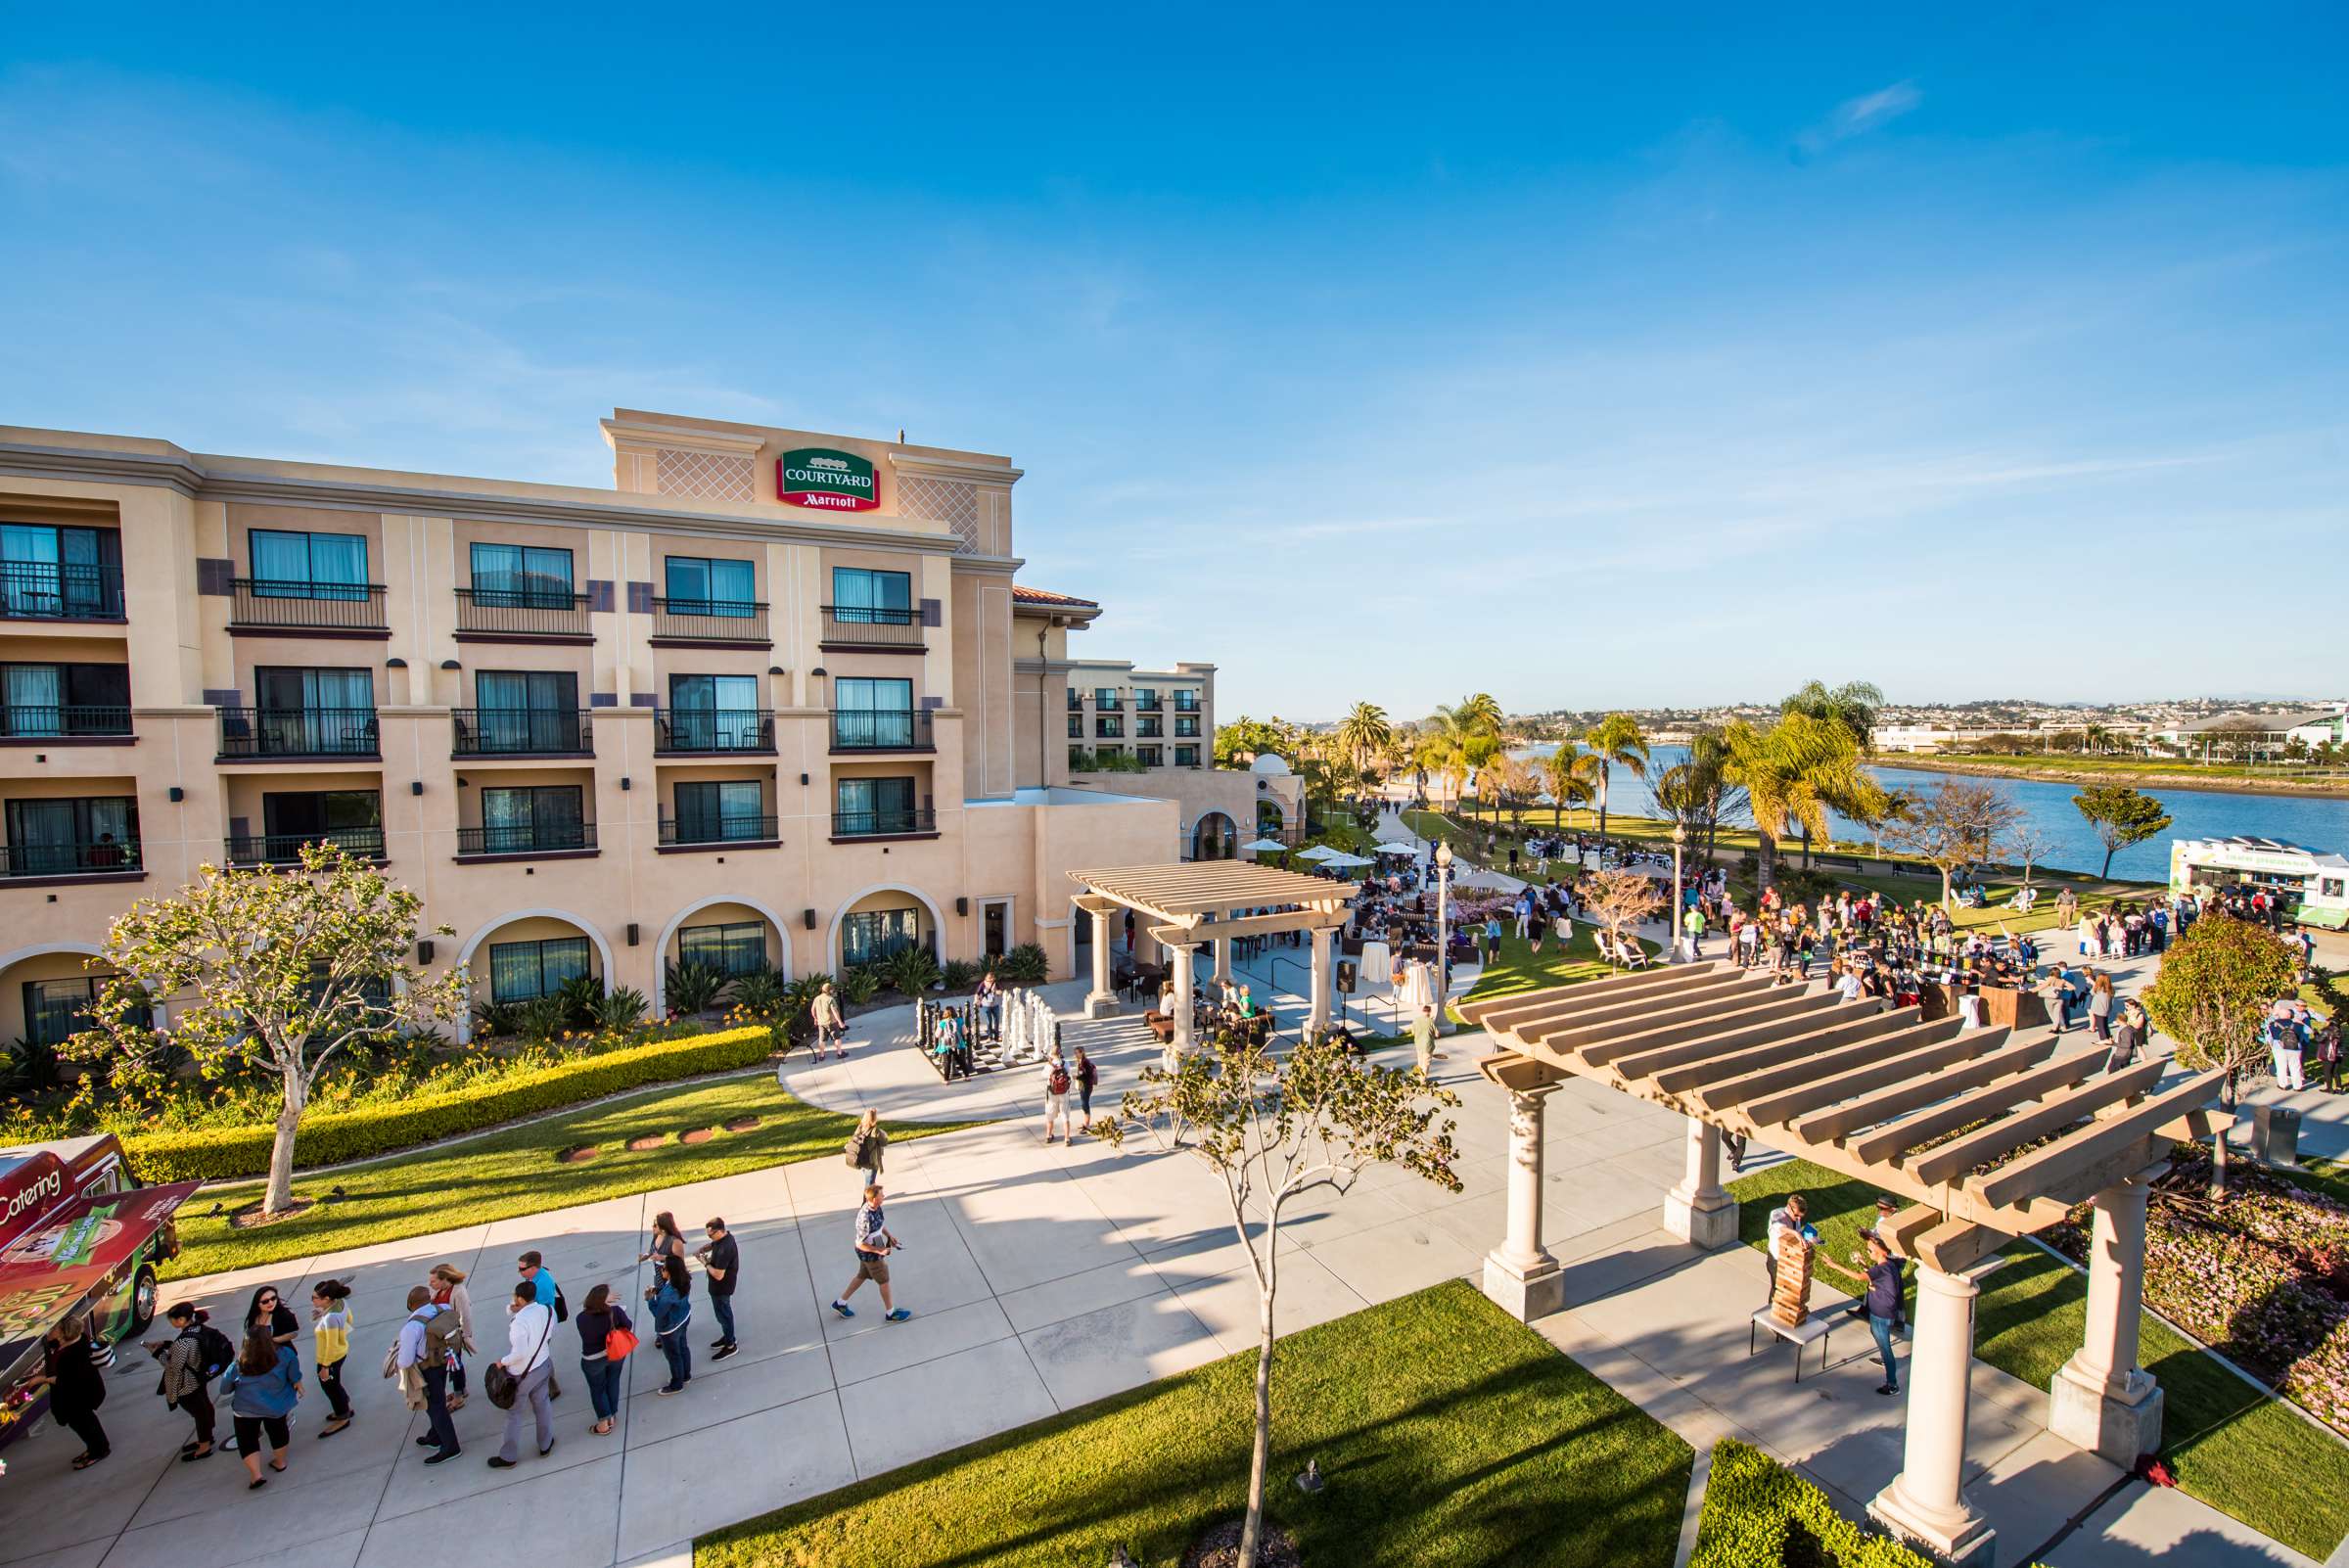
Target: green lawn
(1519,968)
(1475,1444)
(2213,775)
(2232,1446)
(516,1173)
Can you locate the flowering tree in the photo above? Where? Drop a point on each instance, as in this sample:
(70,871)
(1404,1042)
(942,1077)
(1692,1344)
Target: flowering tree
(286,969)
(2212,997)
(1271,1129)
(1619,899)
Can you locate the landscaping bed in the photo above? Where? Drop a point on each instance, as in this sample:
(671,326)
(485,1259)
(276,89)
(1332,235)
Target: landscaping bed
(1760,1514)
(1473,1443)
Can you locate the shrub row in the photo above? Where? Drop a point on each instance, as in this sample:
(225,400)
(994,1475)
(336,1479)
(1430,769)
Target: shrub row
(218,1154)
(1760,1514)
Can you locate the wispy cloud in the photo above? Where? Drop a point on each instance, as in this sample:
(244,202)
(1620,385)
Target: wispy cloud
(1857,117)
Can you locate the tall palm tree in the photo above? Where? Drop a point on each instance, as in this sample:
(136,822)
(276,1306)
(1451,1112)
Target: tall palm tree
(1440,756)
(1568,772)
(1852,706)
(1792,773)
(1698,792)
(1614,740)
(1364,731)
(1478,713)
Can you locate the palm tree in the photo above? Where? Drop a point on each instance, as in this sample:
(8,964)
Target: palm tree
(2095,738)
(1792,773)
(1364,731)
(1698,792)
(1614,740)
(1852,707)
(1478,713)
(1568,772)
(1440,756)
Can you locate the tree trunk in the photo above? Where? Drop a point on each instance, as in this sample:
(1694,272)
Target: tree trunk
(2106,874)
(280,1196)
(1765,859)
(1253,1529)
(1806,845)
(1602,803)
(2218,1144)
(1945,889)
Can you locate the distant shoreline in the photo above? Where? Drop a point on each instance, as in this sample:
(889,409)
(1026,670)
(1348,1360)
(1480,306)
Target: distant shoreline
(2058,773)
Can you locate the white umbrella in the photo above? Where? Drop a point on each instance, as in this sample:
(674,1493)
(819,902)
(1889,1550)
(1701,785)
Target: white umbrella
(1320,852)
(1343,861)
(1399,849)
(1263,845)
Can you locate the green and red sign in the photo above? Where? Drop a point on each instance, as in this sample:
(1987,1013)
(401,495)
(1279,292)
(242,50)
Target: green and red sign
(817,476)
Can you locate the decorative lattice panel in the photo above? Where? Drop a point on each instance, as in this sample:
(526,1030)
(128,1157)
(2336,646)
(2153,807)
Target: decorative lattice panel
(948,501)
(709,476)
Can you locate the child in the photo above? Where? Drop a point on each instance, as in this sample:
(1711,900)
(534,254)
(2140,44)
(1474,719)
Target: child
(331,1321)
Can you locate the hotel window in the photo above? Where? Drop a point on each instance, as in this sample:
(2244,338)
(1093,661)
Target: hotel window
(540,816)
(1076,727)
(717,713)
(520,577)
(61,573)
(709,811)
(63,837)
(1149,726)
(873,598)
(1078,756)
(870,935)
(521,971)
(57,1010)
(529,691)
(1187,726)
(1187,701)
(1151,756)
(700,586)
(873,806)
(1075,698)
(1110,725)
(1146,699)
(352,818)
(65,700)
(738,947)
(308,566)
(1105,697)
(1104,753)
(1186,756)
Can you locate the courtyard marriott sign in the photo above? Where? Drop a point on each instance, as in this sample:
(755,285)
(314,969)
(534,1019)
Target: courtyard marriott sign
(816,476)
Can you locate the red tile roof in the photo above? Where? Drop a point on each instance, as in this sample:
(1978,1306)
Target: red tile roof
(1021,593)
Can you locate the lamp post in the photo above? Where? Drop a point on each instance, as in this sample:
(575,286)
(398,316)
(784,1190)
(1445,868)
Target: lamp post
(1443,937)
(1679,841)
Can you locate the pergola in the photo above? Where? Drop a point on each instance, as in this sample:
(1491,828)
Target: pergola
(1984,1134)
(1200,900)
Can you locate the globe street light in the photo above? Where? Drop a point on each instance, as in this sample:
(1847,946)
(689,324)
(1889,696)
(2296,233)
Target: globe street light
(1679,840)
(1443,937)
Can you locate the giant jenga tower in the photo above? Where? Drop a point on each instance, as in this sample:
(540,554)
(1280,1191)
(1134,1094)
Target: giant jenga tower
(1790,1301)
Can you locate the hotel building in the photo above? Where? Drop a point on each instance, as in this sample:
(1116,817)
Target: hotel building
(775,697)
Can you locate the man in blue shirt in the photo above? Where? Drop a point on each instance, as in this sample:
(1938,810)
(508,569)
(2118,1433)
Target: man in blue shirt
(873,1246)
(548,1295)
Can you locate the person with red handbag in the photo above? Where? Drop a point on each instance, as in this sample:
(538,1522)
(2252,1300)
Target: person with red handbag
(606,1337)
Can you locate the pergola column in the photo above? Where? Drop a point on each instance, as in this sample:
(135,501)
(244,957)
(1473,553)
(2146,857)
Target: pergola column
(1317,1016)
(1925,1502)
(1223,957)
(1520,1276)
(1698,1210)
(1100,1001)
(2101,1399)
(1181,955)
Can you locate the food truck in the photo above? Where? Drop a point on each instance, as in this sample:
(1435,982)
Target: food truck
(78,1236)
(2315,885)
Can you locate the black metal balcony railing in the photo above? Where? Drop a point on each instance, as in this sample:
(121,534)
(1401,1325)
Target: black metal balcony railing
(526,838)
(285,848)
(1076,701)
(53,718)
(710,620)
(1185,703)
(1189,732)
(877,824)
(717,829)
(1148,705)
(881,729)
(46,590)
(521,612)
(1147,729)
(522,732)
(69,860)
(299,732)
(677,730)
(872,629)
(281,602)
(1109,705)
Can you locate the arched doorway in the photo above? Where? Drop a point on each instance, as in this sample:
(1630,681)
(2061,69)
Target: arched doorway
(1215,837)
(884,920)
(47,992)
(728,932)
(1270,818)
(531,953)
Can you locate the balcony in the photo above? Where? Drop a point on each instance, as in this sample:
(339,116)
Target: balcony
(1109,705)
(718,622)
(713,732)
(1148,705)
(246,732)
(908,823)
(522,732)
(858,626)
(285,848)
(881,729)
(526,841)
(742,832)
(104,858)
(46,590)
(66,722)
(280,606)
(1185,703)
(522,615)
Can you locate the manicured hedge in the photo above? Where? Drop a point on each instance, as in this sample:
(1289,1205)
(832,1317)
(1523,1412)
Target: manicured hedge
(221,1153)
(1755,1510)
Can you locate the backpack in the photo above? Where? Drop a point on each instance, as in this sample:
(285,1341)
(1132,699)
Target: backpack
(214,1351)
(853,1149)
(443,1336)
(1058,1082)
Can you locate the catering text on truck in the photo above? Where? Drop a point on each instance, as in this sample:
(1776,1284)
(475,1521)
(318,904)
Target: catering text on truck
(2314,885)
(77,1236)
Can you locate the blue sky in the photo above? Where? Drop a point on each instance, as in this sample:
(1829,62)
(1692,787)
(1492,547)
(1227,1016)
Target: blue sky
(1372,353)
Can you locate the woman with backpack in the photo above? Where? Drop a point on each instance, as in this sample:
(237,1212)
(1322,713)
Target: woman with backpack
(196,1354)
(864,1148)
(1087,1075)
(448,1285)
(262,1386)
(672,1303)
(1056,1094)
(606,1336)
(331,1320)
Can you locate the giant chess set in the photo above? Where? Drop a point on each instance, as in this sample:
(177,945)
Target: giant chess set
(1029,1032)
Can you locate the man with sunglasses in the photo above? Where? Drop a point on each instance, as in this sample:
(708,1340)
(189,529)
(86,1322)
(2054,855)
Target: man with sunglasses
(549,1295)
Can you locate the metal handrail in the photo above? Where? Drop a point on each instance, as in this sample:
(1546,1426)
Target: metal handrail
(299,732)
(710,620)
(53,590)
(521,731)
(701,730)
(730,830)
(526,839)
(314,605)
(284,849)
(881,729)
(63,718)
(871,627)
(872,825)
(522,612)
(69,859)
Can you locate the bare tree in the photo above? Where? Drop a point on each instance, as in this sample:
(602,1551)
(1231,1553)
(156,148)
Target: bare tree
(2030,843)
(1619,899)
(1954,824)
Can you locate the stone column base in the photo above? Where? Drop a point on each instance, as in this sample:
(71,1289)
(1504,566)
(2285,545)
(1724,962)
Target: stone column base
(1101,1004)
(1710,1223)
(1964,1540)
(2117,1427)
(1525,1294)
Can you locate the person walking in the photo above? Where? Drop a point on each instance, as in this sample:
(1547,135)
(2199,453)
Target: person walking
(2128,1036)
(873,1245)
(865,1147)
(2284,1046)
(1056,1094)
(189,1364)
(667,1240)
(1088,1078)
(989,1001)
(550,1296)
(448,1285)
(1424,1037)
(331,1321)
(671,1300)
(598,1316)
(429,1339)
(530,1357)
(2056,992)
(2099,1005)
(830,1028)
(77,1388)
(1883,1306)
(721,1260)
(261,1387)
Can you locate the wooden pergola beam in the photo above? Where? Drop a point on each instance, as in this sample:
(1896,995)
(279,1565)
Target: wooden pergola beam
(1653,1049)
(2020,1126)
(1516,1072)
(1693,1006)
(1836,1021)
(1787,1076)
(2083,1153)
(1920,1049)
(1827,1126)
(1499,1013)
(1252,926)
(1955,1245)
(1996,1098)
